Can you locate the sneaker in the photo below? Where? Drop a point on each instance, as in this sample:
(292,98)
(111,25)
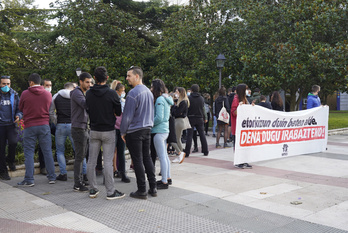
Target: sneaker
(139,195)
(80,188)
(195,150)
(161,185)
(241,166)
(181,157)
(26,183)
(93,193)
(12,167)
(170,182)
(62,177)
(51,181)
(218,145)
(227,145)
(117,174)
(125,178)
(115,195)
(247,166)
(152,192)
(5,176)
(176,160)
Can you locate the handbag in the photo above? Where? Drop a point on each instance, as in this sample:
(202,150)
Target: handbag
(187,124)
(223,114)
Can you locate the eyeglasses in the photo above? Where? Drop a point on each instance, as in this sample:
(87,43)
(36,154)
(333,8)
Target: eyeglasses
(6,77)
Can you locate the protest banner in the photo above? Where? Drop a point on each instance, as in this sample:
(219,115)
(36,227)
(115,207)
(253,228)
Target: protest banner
(263,134)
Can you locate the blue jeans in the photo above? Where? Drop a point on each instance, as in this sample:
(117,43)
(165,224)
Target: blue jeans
(160,141)
(62,132)
(43,134)
(214,124)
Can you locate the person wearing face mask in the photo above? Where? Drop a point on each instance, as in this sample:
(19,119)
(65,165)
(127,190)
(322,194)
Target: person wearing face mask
(313,99)
(248,95)
(119,161)
(9,115)
(47,84)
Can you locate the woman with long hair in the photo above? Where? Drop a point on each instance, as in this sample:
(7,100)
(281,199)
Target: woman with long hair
(180,112)
(220,102)
(160,130)
(277,101)
(119,161)
(239,99)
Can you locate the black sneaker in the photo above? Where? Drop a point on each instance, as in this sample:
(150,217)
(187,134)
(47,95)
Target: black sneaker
(217,145)
(195,150)
(12,167)
(26,183)
(152,192)
(241,166)
(5,176)
(80,188)
(247,166)
(62,177)
(170,182)
(162,185)
(93,193)
(115,195)
(139,195)
(125,178)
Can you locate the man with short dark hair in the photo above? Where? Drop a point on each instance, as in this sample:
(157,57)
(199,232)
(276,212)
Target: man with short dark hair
(136,124)
(263,102)
(197,117)
(103,104)
(9,116)
(35,103)
(47,84)
(313,99)
(60,115)
(79,131)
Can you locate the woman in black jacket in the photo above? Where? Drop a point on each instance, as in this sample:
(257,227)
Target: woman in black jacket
(277,101)
(220,102)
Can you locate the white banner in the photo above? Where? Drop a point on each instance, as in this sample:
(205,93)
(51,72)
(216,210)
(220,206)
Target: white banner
(263,134)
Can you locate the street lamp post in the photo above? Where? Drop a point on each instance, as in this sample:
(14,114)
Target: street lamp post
(78,72)
(220,61)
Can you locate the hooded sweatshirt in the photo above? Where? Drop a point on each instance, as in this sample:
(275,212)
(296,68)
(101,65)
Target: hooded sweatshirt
(162,114)
(35,104)
(102,105)
(196,109)
(60,110)
(313,101)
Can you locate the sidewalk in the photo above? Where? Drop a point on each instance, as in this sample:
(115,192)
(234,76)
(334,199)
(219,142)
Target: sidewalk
(208,195)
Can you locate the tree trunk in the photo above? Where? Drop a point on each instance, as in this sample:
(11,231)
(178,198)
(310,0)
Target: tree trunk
(293,100)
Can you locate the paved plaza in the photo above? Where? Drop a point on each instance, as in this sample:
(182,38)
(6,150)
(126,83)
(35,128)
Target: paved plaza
(307,193)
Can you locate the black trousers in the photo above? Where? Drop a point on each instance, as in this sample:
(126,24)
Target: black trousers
(199,124)
(8,134)
(138,144)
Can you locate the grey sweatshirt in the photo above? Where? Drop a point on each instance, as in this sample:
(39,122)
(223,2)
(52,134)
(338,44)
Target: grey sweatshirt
(138,111)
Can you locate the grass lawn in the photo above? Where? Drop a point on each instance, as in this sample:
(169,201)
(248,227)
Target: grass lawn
(338,119)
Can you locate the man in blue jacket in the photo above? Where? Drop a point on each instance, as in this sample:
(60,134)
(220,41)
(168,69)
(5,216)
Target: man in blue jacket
(313,99)
(9,115)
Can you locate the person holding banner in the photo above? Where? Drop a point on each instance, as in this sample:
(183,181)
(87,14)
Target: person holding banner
(239,99)
(313,99)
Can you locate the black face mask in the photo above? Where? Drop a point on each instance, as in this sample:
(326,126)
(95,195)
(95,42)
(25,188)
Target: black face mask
(176,100)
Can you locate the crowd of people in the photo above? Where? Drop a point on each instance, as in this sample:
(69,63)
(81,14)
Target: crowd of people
(102,120)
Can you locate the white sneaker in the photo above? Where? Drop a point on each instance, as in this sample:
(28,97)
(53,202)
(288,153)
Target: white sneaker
(176,160)
(182,157)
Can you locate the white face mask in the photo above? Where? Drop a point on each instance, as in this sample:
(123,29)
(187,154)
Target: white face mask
(123,95)
(188,93)
(176,95)
(49,89)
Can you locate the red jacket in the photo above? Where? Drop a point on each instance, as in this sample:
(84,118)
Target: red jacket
(234,106)
(35,104)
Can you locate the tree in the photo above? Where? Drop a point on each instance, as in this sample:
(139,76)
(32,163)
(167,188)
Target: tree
(268,44)
(22,33)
